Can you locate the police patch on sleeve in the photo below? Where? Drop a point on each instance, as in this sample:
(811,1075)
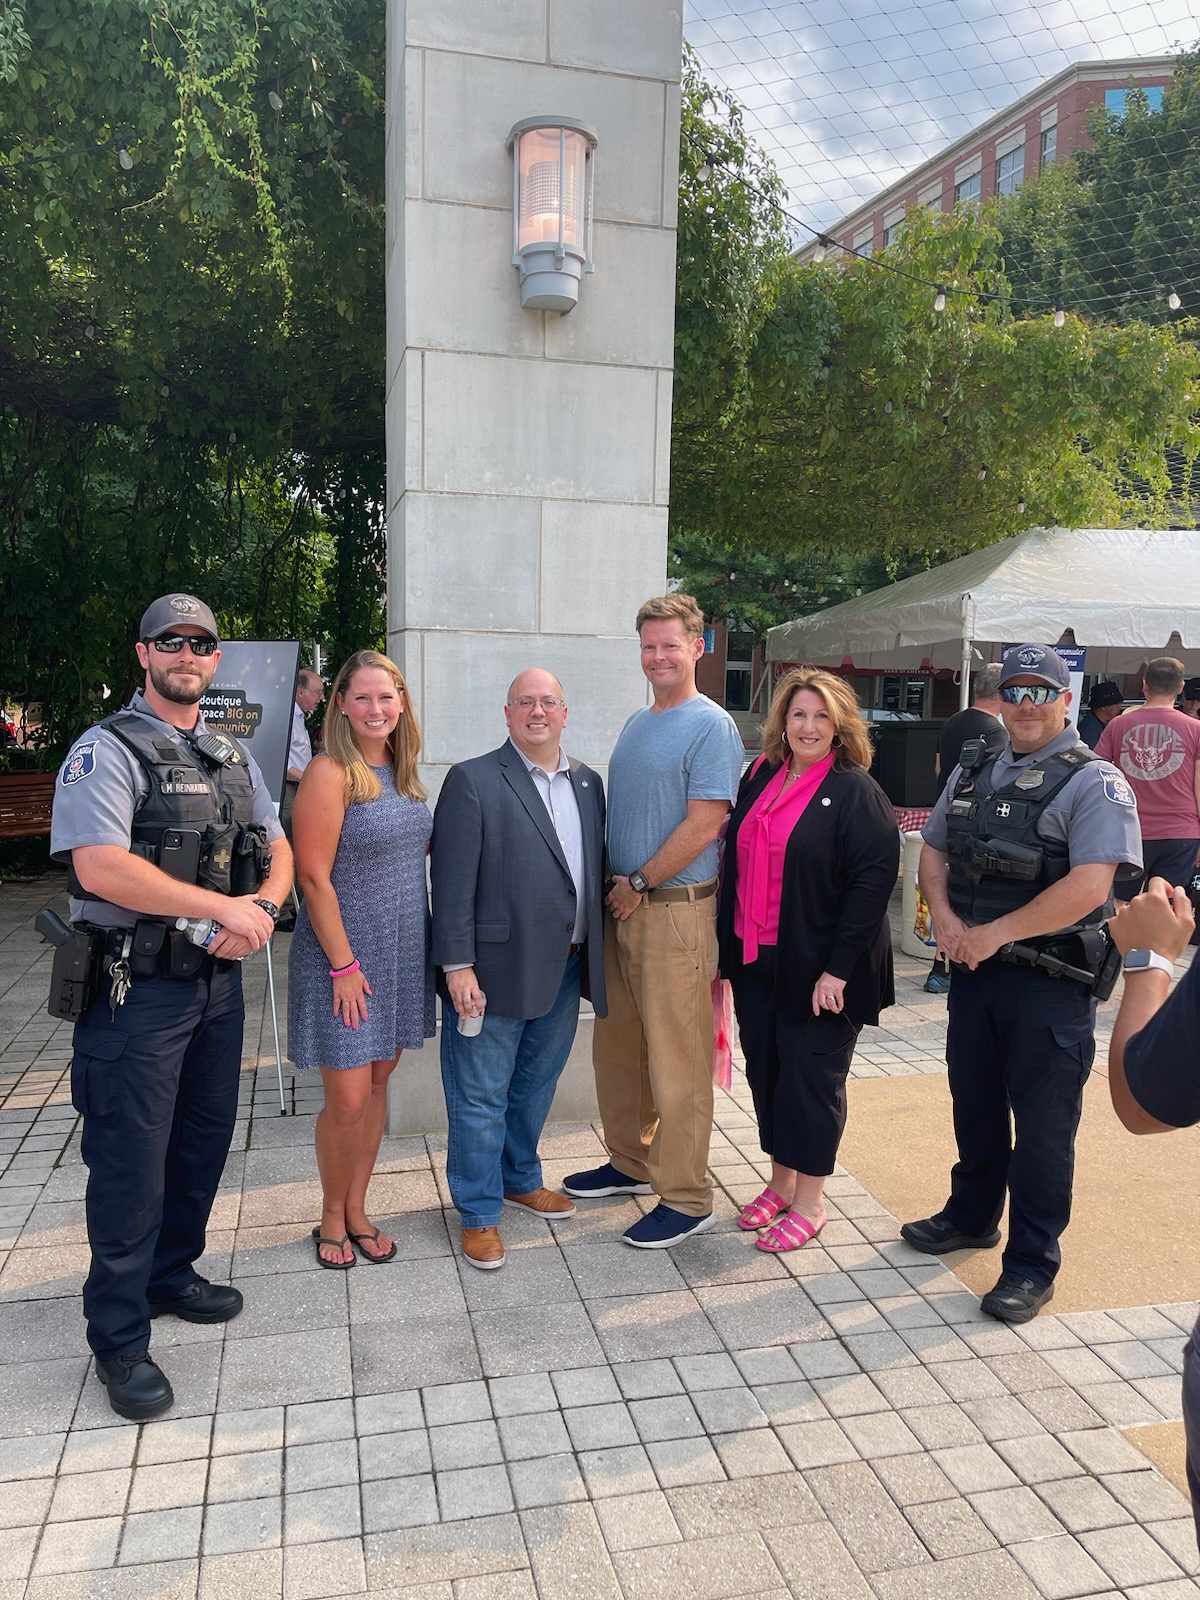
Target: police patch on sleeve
(79,763)
(1117,789)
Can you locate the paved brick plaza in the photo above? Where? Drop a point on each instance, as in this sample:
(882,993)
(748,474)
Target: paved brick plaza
(590,1422)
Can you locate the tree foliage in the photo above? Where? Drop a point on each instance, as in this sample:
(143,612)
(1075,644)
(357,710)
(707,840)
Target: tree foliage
(867,422)
(191,328)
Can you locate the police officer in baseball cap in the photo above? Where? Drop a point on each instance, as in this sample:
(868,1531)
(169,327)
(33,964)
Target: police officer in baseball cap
(157,818)
(1018,865)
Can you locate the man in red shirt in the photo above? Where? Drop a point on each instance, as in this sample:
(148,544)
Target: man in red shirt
(1158,750)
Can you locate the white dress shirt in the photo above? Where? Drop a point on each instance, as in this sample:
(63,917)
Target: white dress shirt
(300,748)
(558,796)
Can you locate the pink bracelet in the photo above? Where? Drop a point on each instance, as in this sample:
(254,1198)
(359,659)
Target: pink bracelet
(344,972)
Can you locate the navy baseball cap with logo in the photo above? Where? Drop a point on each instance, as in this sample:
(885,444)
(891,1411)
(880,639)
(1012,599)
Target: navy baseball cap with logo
(175,611)
(1035,661)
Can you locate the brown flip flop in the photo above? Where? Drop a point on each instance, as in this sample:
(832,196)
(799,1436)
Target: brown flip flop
(332,1266)
(374,1261)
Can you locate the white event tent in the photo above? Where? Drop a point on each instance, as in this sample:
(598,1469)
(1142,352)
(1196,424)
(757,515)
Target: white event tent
(1123,594)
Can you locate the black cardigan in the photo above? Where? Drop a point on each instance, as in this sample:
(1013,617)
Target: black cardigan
(839,871)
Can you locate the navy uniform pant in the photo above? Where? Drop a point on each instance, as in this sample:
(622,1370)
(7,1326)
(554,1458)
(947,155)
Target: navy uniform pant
(1019,1050)
(157,1089)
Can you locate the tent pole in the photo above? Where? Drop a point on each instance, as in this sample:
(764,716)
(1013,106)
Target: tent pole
(964,688)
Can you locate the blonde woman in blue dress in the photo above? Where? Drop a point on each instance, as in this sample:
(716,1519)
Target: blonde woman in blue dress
(360,987)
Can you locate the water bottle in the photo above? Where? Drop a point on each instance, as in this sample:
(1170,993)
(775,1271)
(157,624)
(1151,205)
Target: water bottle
(200,930)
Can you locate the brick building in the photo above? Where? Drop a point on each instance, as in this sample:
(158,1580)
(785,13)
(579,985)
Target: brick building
(1008,150)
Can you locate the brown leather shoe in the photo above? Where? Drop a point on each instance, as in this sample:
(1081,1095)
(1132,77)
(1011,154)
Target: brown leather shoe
(483,1248)
(543,1203)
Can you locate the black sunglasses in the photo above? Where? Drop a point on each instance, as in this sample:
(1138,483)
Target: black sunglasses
(172,643)
(1039,693)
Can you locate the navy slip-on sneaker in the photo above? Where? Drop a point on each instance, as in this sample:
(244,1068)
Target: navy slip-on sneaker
(601,1181)
(664,1226)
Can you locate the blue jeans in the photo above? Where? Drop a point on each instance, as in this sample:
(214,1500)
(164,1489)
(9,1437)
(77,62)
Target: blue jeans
(499,1086)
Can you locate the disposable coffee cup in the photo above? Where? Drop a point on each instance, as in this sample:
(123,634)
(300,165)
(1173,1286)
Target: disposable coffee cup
(470,1027)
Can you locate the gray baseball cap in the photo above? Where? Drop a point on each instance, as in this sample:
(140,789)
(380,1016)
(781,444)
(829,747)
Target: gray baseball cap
(174,611)
(1038,661)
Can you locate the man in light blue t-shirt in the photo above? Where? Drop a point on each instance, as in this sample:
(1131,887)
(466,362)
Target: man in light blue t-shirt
(671,781)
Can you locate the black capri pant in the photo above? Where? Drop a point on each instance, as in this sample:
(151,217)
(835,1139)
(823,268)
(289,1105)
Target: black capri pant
(797,1066)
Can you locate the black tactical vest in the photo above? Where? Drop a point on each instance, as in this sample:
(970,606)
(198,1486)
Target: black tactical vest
(998,860)
(199,786)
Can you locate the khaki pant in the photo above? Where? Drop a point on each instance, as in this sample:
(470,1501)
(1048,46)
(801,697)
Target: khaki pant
(653,1052)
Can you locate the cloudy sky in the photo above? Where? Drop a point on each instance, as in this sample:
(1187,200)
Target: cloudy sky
(849,95)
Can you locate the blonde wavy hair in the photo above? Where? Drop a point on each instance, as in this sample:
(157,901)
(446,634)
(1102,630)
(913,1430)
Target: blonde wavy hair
(404,745)
(852,742)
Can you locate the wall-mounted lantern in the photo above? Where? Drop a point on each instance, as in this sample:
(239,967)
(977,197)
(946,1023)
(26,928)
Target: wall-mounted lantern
(553,165)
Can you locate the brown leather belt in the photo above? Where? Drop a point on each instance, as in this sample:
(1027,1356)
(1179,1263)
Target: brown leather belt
(684,891)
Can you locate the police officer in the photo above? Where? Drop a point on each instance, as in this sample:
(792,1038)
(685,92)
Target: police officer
(1018,865)
(157,818)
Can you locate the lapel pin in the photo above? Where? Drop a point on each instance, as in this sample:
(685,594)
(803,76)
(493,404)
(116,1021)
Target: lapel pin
(583,783)
(826,801)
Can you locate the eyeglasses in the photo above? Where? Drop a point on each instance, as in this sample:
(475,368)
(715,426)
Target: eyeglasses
(170,644)
(1039,693)
(547,702)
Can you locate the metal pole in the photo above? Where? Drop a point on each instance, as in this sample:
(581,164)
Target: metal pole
(964,688)
(275,1028)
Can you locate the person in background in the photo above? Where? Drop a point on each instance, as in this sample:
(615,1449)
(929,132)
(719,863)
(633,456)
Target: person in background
(1154,1066)
(310,690)
(1105,701)
(981,719)
(672,778)
(360,984)
(811,857)
(1189,700)
(1158,750)
(518,930)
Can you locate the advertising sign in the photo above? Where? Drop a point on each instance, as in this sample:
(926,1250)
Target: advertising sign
(251,699)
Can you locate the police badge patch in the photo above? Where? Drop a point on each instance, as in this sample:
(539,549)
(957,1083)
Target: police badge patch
(79,763)
(1116,789)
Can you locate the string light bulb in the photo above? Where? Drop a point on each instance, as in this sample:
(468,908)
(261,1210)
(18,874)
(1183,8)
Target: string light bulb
(1060,316)
(939,299)
(887,408)
(1020,508)
(822,249)
(275,101)
(704,172)
(981,474)
(124,159)
(1174,301)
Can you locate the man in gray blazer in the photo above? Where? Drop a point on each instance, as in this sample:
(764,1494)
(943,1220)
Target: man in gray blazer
(517,868)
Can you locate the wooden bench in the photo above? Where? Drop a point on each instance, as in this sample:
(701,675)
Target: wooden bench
(25,801)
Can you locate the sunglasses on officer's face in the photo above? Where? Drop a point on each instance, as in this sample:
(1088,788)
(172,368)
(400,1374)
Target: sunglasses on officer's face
(1039,693)
(172,643)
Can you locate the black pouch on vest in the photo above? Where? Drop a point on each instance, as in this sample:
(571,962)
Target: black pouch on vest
(251,862)
(220,844)
(186,959)
(146,950)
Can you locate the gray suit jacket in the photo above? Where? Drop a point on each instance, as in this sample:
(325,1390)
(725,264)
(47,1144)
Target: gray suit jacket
(503,899)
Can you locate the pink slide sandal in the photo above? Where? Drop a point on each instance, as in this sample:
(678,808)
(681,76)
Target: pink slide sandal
(761,1211)
(791,1232)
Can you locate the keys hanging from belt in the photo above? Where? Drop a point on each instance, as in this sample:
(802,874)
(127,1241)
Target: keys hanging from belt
(120,977)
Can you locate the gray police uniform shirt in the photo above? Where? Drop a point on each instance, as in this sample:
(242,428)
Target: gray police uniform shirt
(99,787)
(1094,814)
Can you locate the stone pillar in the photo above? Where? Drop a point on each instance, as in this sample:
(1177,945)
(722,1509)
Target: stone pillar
(528,453)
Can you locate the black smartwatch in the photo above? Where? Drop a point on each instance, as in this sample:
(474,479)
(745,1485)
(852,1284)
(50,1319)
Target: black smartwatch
(639,882)
(270,908)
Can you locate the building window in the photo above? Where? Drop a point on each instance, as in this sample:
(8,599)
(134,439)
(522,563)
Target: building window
(865,243)
(892,233)
(1049,145)
(967,191)
(1114,99)
(1010,171)
(739,671)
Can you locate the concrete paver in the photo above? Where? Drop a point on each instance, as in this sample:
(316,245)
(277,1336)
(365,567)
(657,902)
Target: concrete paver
(593,1421)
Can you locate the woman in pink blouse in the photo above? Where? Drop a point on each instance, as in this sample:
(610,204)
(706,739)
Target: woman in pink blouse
(811,858)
